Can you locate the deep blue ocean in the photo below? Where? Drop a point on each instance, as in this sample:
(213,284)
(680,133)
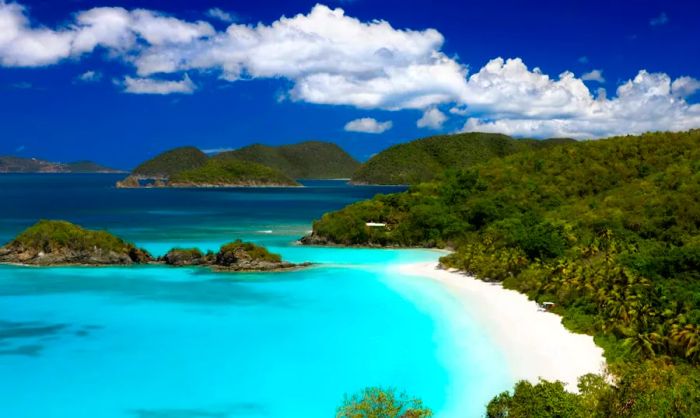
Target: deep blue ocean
(158,342)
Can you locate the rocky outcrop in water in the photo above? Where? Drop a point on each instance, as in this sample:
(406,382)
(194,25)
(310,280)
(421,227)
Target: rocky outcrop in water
(186,257)
(314,239)
(130,182)
(60,243)
(234,256)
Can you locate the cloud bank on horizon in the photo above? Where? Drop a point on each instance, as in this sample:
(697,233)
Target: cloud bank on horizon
(334,59)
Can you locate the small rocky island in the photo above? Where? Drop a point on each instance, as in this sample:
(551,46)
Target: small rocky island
(49,243)
(234,256)
(61,243)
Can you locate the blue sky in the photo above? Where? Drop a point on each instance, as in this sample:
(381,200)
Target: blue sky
(119,81)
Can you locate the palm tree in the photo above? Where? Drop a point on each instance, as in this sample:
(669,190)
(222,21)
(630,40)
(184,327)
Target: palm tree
(688,338)
(643,345)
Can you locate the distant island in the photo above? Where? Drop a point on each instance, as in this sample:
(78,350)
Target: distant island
(255,165)
(305,160)
(423,159)
(61,243)
(10,164)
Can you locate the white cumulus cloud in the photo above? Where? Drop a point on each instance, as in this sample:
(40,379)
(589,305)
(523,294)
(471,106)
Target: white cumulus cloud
(23,44)
(685,86)
(645,103)
(335,59)
(432,118)
(594,75)
(156,86)
(222,15)
(368,126)
(90,76)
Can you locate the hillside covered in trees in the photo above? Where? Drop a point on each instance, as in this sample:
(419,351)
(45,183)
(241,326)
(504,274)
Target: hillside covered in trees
(230,172)
(171,162)
(609,230)
(305,160)
(423,159)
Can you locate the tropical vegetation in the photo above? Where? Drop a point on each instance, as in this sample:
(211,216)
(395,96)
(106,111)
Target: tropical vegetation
(171,162)
(305,160)
(424,159)
(609,230)
(376,402)
(50,235)
(233,172)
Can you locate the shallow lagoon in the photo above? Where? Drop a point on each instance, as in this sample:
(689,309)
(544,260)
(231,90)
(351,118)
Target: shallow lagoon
(163,342)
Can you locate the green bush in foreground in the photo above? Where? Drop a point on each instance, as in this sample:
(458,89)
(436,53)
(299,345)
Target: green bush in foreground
(376,402)
(654,388)
(543,400)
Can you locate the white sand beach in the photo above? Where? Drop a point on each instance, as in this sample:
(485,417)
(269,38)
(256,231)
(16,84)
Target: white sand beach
(536,343)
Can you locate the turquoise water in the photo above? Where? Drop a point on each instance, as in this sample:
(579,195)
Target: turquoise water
(156,342)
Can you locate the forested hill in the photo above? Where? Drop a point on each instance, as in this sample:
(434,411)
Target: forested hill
(230,172)
(423,159)
(171,162)
(609,230)
(305,160)
(10,164)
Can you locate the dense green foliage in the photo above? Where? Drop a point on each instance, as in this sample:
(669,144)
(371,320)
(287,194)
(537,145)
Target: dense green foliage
(231,172)
(171,162)
(653,388)
(424,159)
(543,400)
(306,160)
(609,230)
(249,250)
(49,236)
(377,402)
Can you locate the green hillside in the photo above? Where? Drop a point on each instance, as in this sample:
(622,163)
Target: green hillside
(231,172)
(306,160)
(609,230)
(170,162)
(423,159)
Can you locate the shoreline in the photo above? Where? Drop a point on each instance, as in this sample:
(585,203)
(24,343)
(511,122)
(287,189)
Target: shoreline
(535,343)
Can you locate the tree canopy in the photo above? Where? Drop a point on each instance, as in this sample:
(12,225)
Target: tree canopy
(609,230)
